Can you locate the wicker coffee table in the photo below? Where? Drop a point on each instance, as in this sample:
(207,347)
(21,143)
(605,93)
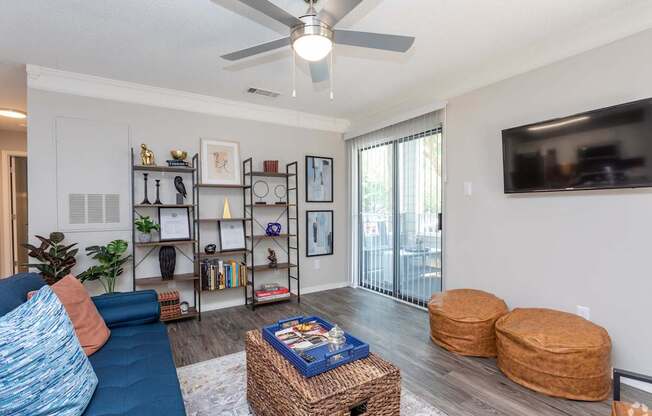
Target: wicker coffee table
(369,387)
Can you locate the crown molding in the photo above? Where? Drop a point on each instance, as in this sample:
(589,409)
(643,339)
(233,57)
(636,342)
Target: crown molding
(49,79)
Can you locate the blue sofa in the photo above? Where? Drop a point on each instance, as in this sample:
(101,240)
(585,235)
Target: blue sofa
(135,368)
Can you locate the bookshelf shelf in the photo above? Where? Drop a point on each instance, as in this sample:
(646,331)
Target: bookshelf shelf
(219,254)
(177,169)
(156,280)
(270,237)
(192,313)
(164,243)
(270,174)
(210,185)
(271,205)
(279,266)
(162,206)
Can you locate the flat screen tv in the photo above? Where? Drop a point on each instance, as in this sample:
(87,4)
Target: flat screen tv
(600,149)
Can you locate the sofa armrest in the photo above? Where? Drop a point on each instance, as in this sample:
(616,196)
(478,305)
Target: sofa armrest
(129,308)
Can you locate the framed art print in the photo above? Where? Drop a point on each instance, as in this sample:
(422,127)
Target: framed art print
(220,162)
(319,233)
(319,179)
(232,235)
(175,223)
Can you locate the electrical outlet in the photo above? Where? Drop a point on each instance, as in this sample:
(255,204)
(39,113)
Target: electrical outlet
(317,264)
(584,312)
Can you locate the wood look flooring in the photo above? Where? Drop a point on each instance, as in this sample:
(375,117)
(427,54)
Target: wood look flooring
(460,386)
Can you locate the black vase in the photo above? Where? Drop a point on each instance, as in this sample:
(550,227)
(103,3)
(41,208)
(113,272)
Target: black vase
(167,258)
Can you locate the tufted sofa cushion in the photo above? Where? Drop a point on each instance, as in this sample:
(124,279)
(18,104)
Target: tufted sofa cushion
(136,374)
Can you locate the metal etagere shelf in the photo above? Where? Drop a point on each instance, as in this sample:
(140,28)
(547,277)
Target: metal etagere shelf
(199,255)
(150,247)
(289,209)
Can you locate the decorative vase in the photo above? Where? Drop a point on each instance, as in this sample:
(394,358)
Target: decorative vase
(144,237)
(167,258)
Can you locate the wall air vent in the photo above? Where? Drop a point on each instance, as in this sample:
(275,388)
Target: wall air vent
(264,93)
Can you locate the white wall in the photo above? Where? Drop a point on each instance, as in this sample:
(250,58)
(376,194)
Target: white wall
(562,249)
(165,129)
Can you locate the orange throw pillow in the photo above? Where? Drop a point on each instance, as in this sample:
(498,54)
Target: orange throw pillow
(90,328)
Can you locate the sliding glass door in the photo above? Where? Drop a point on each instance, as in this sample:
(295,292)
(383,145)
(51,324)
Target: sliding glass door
(400,208)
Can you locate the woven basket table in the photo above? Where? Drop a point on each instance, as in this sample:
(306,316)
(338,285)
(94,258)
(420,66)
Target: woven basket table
(369,387)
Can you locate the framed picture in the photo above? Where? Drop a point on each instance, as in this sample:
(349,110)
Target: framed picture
(220,162)
(175,223)
(232,235)
(319,179)
(319,233)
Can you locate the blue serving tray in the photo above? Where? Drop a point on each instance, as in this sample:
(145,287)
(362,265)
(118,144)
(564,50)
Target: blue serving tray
(325,360)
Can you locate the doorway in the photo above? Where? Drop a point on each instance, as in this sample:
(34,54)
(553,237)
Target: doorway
(15,214)
(400,208)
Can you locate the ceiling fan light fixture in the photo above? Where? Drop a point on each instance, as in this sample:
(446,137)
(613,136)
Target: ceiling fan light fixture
(313,48)
(312,41)
(10,113)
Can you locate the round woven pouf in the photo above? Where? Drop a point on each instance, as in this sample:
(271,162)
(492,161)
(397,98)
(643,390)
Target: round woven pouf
(555,353)
(462,321)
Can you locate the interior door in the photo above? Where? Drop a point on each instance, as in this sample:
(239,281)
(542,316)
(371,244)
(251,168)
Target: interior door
(18,169)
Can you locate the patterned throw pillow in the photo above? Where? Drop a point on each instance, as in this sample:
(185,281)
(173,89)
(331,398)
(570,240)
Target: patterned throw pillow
(43,369)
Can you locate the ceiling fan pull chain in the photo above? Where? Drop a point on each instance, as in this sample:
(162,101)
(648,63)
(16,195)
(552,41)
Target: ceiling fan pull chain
(294,73)
(331,75)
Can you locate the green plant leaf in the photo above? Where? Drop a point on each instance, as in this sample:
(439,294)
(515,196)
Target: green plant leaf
(56,237)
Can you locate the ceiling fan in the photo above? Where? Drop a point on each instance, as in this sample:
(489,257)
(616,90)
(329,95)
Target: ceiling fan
(313,34)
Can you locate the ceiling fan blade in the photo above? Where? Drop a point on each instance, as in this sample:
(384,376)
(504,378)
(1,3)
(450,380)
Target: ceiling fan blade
(334,10)
(273,11)
(395,43)
(255,50)
(319,71)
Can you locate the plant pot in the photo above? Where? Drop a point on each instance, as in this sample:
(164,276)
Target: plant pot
(144,237)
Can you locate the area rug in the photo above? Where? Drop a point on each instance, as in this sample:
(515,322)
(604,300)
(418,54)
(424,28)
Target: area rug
(218,387)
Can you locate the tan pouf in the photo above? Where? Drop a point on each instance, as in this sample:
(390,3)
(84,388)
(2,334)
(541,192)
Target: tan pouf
(462,321)
(555,353)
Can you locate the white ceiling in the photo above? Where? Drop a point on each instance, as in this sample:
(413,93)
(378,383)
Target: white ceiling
(13,92)
(176,44)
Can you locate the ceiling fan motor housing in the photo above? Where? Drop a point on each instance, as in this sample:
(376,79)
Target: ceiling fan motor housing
(311,26)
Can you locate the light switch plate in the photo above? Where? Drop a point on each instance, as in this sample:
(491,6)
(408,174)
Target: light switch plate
(468,188)
(317,264)
(584,312)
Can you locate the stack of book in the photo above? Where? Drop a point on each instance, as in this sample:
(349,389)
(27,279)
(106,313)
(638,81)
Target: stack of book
(272,293)
(220,275)
(169,302)
(177,163)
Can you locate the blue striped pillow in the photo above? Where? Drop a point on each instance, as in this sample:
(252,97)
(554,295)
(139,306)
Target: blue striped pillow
(43,369)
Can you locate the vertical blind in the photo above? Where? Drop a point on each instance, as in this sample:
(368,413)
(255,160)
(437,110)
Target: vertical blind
(394,243)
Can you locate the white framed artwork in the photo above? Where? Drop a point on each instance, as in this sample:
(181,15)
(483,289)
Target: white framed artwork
(220,162)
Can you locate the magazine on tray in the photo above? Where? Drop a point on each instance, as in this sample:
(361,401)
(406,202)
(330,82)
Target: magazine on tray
(302,337)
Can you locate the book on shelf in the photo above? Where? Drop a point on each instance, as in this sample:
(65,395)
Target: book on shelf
(278,293)
(266,293)
(219,274)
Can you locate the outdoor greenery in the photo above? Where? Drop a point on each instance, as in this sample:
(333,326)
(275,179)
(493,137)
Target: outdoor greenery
(56,259)
(110,260)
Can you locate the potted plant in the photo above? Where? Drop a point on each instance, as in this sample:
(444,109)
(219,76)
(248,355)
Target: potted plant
(56,259)
(145,226)
(111,262)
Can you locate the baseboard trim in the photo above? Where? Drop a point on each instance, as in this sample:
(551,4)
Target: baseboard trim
(638,385)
